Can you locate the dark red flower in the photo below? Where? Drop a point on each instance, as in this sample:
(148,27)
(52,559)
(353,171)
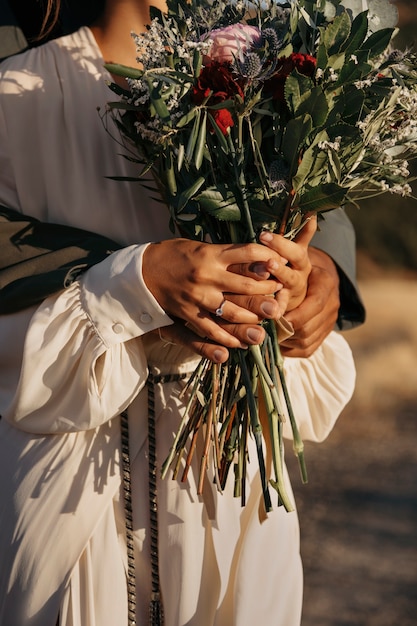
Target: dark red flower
(304,63)
(217,79)
(223,119)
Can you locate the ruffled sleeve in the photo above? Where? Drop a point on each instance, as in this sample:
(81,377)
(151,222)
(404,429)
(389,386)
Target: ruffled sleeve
(83,359)
(320,387)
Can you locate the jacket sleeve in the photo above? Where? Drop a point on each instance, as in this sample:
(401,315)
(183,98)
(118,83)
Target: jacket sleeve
(12,39)
(38,259)
(336,237)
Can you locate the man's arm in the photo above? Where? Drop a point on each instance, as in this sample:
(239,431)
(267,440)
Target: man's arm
(336,237)
(12,39)
(38,259)
(332,298)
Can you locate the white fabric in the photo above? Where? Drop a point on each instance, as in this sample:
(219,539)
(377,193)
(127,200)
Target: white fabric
(68,368)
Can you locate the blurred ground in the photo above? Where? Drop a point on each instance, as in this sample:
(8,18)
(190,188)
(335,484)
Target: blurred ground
(358,513)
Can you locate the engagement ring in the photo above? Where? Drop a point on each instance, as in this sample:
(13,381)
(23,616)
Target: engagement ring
(219,312)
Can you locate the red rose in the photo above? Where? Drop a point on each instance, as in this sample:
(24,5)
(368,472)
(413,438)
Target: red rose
(304,63)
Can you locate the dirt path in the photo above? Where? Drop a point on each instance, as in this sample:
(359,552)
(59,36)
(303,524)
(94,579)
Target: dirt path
(358,514)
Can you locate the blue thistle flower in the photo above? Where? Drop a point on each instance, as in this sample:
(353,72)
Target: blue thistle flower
(279,175)
(270,39)
(250,67)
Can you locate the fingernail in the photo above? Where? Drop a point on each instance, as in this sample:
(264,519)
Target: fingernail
(254,335)
(259,270)
(218,356)
(268,308)
(266,236)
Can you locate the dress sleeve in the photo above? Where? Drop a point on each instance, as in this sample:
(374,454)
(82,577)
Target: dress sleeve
(320,387)
(83,359)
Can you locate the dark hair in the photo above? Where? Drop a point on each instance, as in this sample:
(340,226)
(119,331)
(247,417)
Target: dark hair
(50,19)
(41,20)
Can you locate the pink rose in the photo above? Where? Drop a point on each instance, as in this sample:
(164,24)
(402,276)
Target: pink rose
(231,41)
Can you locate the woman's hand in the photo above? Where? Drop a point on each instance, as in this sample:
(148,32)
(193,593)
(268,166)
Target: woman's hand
(189,280)
(182,335)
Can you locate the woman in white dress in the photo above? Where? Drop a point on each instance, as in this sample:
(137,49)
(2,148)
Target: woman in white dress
(71,366)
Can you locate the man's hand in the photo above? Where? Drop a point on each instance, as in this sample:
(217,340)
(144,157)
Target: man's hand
(316,316)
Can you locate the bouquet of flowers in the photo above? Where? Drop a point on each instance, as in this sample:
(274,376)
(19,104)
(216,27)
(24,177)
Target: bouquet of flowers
(251,116)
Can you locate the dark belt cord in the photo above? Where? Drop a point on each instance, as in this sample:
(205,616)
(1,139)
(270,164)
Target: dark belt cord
(156,610)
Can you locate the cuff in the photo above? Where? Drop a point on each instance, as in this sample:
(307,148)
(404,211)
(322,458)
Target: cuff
(116,299)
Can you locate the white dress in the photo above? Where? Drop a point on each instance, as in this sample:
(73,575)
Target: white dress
(69,368)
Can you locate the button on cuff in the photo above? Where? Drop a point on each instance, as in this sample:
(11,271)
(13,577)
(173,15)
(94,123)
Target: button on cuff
(118,328)
(145,318)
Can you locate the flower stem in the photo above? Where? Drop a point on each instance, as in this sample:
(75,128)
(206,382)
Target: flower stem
(241,185)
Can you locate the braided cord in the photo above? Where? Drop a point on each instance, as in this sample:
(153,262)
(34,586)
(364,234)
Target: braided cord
(127,490)
(156,610)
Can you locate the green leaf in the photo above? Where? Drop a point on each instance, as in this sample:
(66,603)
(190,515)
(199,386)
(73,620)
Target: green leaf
(336,61)
(225,104)
(293,140)
(336,33)
(197,62)
(180,157)
(169,174)
(295,86)
(358,34)
(322,198)
(124,70)
(188,117)
(158,103)
(220,137)
(220,202)
(334,165)
(189,193)
(354,100)
(316,105)
(322,56)
(354,69)
(312,163)
(378,42)
(193,136)
(122,106)
(119,90)
(201,142)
